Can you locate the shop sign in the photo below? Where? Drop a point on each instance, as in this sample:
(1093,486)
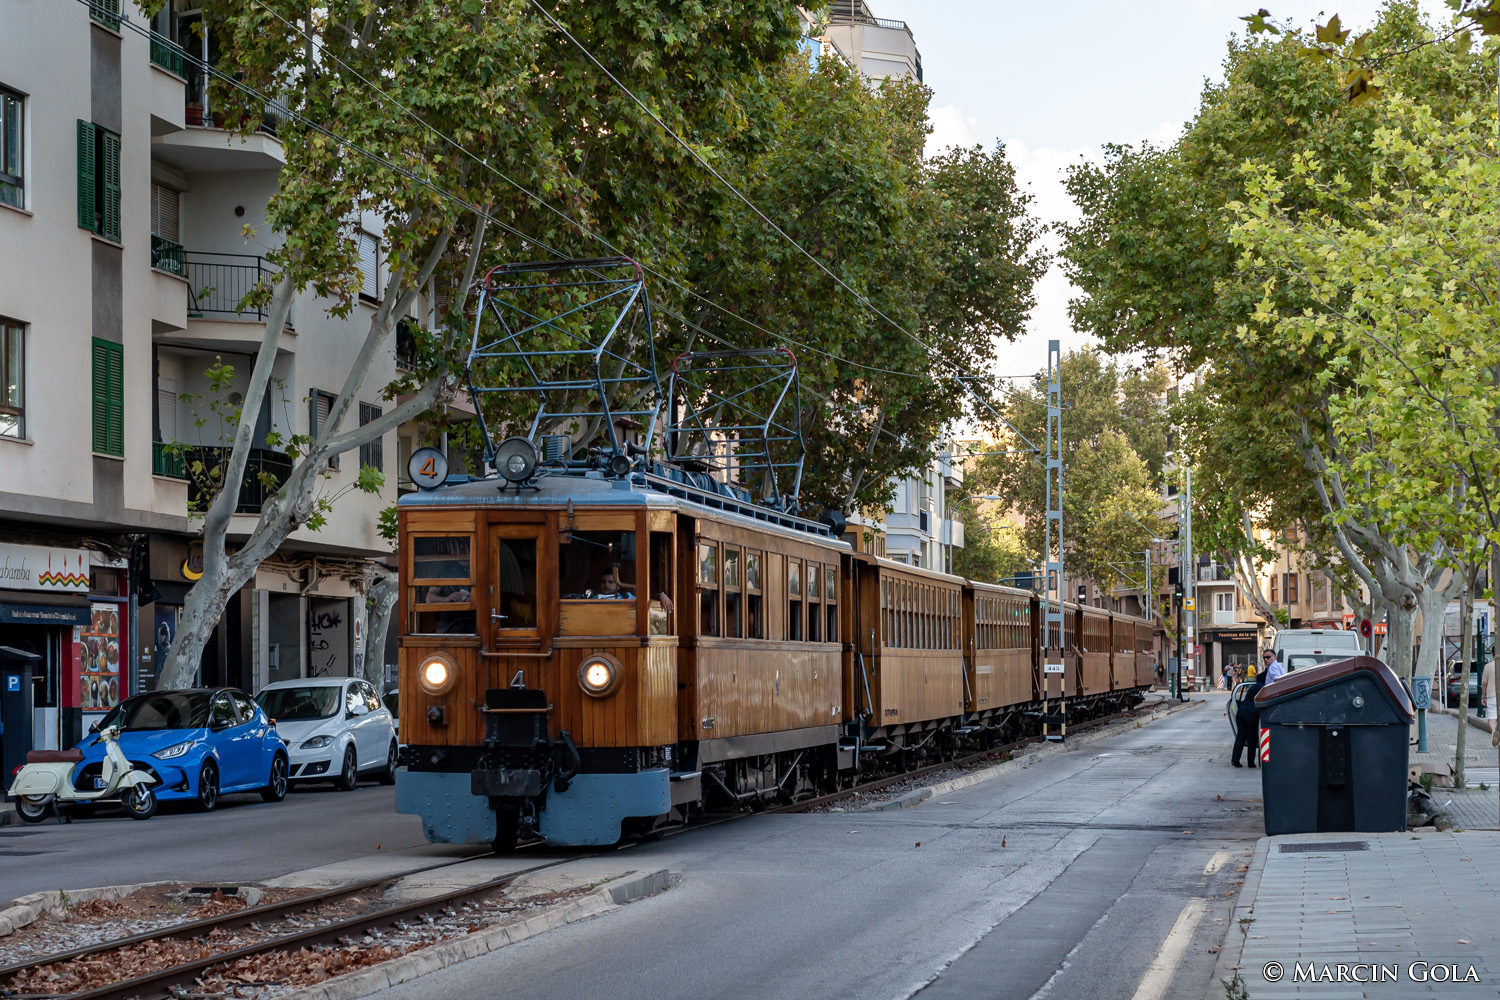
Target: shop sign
(44,567)
(43,614)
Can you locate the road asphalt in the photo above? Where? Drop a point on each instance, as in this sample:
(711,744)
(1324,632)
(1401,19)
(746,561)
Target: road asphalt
(1082,875)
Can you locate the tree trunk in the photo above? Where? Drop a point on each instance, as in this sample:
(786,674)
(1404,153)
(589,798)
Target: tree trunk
(1401,627)
(1465,613)
(382,598)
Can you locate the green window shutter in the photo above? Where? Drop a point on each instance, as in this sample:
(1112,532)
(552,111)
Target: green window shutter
(116,400)
(111,169)
(109,397)
(87,159)
(101,395)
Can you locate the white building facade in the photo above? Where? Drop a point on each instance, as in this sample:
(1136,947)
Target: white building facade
(123,213)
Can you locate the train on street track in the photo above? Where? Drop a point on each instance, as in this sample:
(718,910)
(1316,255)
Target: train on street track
(607,636)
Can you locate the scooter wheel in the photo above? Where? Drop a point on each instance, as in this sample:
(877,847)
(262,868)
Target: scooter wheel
(139,802)
(33,808)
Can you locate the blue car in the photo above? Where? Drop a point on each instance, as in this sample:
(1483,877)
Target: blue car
(200,744)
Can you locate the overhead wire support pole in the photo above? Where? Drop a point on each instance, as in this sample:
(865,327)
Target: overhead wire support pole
(1054,710)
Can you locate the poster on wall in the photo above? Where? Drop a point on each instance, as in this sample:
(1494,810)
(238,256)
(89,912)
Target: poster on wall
(167,617)
(99,670)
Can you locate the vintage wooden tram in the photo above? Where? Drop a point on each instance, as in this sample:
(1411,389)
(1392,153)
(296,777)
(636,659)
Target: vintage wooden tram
(611,633)
(599,653)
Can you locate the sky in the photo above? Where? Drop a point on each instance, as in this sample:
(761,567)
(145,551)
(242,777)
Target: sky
(1055,82)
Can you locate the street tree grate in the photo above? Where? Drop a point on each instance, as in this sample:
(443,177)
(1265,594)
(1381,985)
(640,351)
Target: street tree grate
(1325,847)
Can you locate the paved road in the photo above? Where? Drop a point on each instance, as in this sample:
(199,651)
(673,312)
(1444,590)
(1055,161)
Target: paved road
(244,839)
(1064,879)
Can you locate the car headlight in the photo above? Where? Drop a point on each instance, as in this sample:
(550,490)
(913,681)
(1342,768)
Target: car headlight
(598,674)
(317,742)
(437,674)
(175,750)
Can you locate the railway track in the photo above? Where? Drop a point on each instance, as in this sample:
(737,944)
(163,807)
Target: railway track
(177,980)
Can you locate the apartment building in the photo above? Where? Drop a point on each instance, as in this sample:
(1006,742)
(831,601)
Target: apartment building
(123,213)
(878,47)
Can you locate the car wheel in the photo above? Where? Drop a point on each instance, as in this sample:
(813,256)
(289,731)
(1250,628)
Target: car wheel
(33,808)
(349,777)
(388,776)
(208,787)
(275,789)
(139,802)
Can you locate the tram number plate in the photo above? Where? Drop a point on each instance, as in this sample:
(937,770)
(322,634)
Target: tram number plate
(1052,668)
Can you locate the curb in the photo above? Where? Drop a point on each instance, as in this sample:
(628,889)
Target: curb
(449,953)
(915,797)
(1233,948)
(1480,724)
(27,909)
(8,815)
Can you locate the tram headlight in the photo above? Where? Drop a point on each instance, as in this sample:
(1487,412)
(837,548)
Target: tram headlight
(598,674)
(516,459)
(436,674)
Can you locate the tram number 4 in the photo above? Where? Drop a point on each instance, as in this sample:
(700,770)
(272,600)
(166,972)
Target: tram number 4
(1052,668)
(429,467)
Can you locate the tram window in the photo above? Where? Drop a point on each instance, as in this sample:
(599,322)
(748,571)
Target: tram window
(794,600)
(831,595)
(755,622)
(708,588)
(597,565)
(442,600)
(661,583)
(517,579)
(814,604)
(733,607)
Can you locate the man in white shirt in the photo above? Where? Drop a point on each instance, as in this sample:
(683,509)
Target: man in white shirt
(1271,667)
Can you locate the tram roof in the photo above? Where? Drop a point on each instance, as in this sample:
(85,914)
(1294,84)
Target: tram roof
(594,490)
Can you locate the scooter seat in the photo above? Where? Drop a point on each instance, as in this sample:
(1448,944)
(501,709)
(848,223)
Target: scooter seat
(54,756)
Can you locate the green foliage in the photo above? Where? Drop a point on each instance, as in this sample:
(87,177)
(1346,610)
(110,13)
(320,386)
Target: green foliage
(387,525)
(993,551)
(1114,447)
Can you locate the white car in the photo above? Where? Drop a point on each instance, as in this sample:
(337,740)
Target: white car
(335,729)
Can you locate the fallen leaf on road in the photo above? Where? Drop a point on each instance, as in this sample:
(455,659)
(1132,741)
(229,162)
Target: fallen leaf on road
(1330,911)
(1218,798)
(1189,832)
(1335,897)
(919,843)
(1002,841)
(1214,950)
(1464,941)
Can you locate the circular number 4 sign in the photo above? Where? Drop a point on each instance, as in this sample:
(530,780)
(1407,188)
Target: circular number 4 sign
(428,468)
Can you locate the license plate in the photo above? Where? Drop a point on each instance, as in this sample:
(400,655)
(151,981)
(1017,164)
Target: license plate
(98,783)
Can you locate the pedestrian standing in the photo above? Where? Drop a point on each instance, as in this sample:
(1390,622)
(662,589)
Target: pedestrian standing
(1271,668)
(1246,722)
(1487,692)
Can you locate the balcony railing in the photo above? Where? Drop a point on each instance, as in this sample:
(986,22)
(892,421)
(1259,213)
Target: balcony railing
(167,54)
(106,12)
(167,256)
(1224,617)
(167,462)
(199,101)
(254,492)
(1215,573)
(219,282)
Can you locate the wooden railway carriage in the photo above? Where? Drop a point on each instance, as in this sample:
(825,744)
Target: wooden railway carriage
(1000,641)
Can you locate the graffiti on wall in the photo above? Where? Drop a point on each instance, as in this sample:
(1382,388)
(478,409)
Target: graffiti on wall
(328,639)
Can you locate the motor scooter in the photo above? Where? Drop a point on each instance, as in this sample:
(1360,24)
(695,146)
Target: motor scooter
(45,782)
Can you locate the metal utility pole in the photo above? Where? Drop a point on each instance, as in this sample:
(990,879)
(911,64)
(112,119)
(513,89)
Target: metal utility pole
(1054,716)
(1189,578)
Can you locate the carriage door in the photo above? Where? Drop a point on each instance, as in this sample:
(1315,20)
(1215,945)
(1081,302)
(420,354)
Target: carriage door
(515,599)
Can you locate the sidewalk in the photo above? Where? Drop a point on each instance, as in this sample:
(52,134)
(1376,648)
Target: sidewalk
(1470,808)
(1410,915)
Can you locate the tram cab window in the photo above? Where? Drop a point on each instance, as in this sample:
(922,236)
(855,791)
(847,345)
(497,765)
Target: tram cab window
(517,590)
(794,600)
(831,595)
(661,607)
(597,565)
(814,604)
(442,588)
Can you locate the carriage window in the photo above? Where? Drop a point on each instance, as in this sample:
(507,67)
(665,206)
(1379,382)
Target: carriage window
(755,623)
(733,609)
(708,588)
(814,604)
(517,583)
(831,595)
(442,600)
(794,600)
(596,565)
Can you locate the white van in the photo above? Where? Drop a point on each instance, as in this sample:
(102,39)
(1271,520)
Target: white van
(1302,647)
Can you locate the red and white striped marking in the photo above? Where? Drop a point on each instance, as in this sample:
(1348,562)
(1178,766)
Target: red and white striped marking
(1265,745)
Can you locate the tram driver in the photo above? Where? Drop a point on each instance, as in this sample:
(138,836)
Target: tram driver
(610,587)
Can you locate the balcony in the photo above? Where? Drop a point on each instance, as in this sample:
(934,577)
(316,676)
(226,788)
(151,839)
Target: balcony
(1217,573)
(167,54)
(1224,617)
(218,284)
(264,473)
(166,461)
(167,256)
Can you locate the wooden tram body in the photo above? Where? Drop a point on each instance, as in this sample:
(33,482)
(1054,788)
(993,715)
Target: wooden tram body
(750,657)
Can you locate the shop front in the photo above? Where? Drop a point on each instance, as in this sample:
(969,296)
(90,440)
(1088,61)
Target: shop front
(1231,648)
(45,611)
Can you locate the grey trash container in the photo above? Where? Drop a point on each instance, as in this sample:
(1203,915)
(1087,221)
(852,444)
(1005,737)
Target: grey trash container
(1334,742)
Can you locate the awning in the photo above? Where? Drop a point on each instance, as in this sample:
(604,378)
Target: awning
(20,608)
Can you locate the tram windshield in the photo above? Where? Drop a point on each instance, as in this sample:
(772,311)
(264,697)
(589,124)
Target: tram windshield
(597,565)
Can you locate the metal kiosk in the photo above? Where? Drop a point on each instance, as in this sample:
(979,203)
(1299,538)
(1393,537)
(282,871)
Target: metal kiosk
(1334,743)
